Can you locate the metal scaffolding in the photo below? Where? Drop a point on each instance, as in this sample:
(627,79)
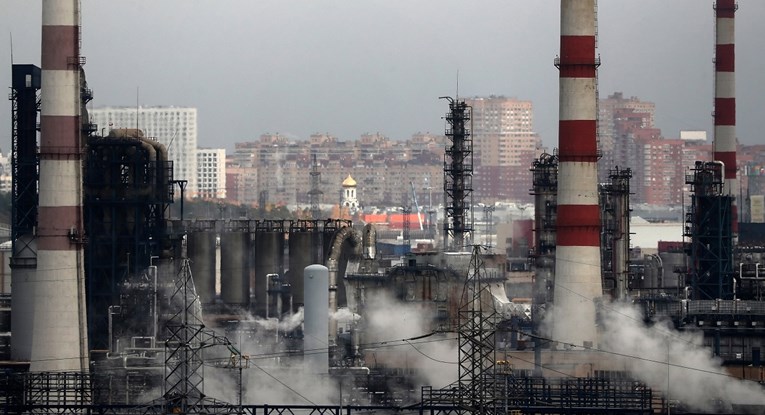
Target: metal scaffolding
(615,234)
(128,189)
(315,193)
(25,109)
(458,177)
(545,191)
(709,225)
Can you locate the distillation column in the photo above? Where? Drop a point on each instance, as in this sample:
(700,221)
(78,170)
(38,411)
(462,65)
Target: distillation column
(577,263)
(59,340)
(725,100)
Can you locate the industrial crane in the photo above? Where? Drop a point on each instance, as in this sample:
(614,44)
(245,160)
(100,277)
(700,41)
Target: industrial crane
(416,206)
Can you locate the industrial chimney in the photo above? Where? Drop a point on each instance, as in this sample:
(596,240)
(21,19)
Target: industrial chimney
(56,329)
(577,257)
(725,100)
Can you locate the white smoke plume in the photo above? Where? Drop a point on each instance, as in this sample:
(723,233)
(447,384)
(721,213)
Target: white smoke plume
(274,373)
(694,377)
(344,315)
(266,383)
(389,319)
(288,323)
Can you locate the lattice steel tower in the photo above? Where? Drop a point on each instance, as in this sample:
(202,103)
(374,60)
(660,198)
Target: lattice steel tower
(458,176)
(186,340)
(25,103)
(315,193)
(478,385)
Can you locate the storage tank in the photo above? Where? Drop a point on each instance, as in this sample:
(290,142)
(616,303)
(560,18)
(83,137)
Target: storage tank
(316,320)
(200,248)
(235,268)
(268,256)
(300,254)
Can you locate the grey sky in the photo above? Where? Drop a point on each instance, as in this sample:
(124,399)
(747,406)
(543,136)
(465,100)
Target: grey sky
(347,66)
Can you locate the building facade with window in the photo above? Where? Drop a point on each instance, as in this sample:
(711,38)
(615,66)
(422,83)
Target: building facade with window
(211,173)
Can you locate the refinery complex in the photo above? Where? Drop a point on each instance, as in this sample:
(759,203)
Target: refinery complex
(119,303)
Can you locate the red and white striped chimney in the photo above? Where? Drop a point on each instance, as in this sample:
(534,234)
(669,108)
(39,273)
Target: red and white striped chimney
(725,99)
(577,256)
(59,322)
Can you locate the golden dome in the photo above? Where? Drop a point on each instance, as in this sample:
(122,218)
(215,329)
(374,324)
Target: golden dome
(349,182)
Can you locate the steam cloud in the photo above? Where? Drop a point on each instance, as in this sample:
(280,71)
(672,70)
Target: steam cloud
(389,319)
(275,374)
(695,378)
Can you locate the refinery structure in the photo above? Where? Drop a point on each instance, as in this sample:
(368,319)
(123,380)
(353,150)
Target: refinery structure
(119,307)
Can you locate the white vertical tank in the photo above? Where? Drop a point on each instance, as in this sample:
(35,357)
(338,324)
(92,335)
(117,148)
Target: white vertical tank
(316,320)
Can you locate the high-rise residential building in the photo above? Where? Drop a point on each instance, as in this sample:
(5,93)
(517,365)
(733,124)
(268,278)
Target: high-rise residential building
(504,145)
(503,130)
(211,173)
(175,127)
(5,173)
(619,120)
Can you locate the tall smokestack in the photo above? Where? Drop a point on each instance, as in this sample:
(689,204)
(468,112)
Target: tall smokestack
(59,340)
(577,257)
(725,99)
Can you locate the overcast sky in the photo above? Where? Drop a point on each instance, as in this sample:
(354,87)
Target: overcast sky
(353,66)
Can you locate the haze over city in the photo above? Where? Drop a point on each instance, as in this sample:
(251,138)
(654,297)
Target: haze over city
(353,67)
(337,206)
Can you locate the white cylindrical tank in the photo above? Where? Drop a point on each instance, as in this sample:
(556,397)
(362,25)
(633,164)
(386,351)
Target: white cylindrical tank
(316,319)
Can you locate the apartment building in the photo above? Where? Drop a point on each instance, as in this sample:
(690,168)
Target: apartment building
(504,145)
(211,173)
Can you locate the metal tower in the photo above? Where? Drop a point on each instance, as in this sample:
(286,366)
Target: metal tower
(458,176)
(315,193)
(25,102)
(406,233)
(545,191)
(187,338)
(615,236)
(488,212)
(477,326)
(709,225)
(545,178)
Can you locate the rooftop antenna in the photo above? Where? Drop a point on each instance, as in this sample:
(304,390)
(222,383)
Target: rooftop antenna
(137,108)
(457,95)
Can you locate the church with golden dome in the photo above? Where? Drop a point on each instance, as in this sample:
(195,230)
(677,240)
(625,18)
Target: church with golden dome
(349,199)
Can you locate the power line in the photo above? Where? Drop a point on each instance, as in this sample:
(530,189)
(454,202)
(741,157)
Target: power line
(627,355)
(284,384)
(431,358)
